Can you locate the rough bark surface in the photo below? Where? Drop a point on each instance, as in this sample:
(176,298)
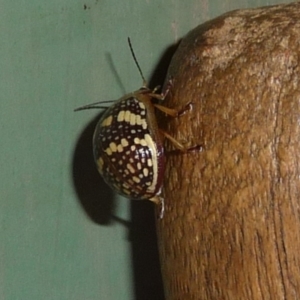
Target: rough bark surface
(231,228)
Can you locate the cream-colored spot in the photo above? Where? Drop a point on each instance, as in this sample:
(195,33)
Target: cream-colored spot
(113,147)
(133,147)
(130,181)
(143,142)
(139,166)
(124,142)
(149,162)
(130,168)
(108,151)
(142,105)
(125,185)
(120,148)
(138,120)
(100,163)
(107,121)
(136,140)
(144,124)
(121,115)
(141,121)
(145,172)
(136,179)
(126,192)
(127,116)
(133,119)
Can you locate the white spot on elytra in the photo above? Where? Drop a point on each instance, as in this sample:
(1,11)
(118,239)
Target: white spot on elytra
(124,142)
(145,172)
(130,168)
(120,148)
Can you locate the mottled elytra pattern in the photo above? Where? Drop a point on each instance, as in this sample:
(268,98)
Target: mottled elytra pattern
(128,150)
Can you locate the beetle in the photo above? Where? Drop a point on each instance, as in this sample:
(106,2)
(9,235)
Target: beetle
(128,144)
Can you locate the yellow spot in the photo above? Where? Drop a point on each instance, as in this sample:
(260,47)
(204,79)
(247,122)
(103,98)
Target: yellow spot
(138,120)
(133,119)
(125,185)
(132,148)
(126,192)
(136,179)
(121,115)
(142,105)
(136,140)
(100,163)
(144,124)
(113,147)
(124,142)
(120,148)
(145,172)
(130,168)
(107,121)
(127,116)
(143,142)
(108,151)
(149,162)
(130,181)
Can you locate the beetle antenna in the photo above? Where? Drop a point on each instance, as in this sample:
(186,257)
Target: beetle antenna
(94,105)
(136,62)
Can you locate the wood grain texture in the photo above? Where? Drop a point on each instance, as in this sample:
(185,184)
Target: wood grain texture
(231,228)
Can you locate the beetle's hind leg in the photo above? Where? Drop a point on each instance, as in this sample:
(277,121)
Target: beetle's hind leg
(178,145)
(173,112)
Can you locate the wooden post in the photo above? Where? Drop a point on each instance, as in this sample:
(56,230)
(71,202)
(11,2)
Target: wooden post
(231,228)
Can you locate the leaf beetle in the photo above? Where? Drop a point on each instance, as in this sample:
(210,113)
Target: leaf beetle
(128,144)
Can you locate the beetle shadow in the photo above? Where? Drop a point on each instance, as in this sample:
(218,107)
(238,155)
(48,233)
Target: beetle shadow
(148,282)
(95,197)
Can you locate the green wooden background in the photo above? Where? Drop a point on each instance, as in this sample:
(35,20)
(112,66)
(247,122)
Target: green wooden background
(64,234)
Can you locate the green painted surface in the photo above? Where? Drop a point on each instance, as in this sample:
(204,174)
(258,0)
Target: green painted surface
(58,239)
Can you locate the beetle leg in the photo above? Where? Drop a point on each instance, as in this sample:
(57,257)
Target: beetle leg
(173,112)
(163,95)
(178,145)
(155,89)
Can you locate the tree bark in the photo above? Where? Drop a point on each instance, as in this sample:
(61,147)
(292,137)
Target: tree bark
(231,227)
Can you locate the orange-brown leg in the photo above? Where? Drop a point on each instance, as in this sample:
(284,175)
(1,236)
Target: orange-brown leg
(173,112)
(178,145)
